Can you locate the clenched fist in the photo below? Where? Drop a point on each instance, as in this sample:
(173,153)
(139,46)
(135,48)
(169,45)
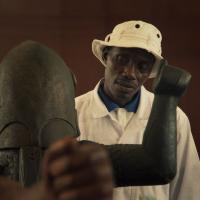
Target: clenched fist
(74,171)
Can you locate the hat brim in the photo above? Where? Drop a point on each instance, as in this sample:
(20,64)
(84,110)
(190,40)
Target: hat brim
(98,45)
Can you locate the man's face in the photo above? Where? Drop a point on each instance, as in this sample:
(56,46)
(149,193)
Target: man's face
(127,69)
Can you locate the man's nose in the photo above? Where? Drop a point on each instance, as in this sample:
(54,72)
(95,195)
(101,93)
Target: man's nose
(129,71)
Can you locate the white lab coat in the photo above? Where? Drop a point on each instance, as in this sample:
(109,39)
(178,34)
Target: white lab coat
(98,125)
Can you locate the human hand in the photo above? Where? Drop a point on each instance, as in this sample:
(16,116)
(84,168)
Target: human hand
(74,171)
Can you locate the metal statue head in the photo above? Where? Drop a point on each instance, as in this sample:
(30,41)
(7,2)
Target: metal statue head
(37,93)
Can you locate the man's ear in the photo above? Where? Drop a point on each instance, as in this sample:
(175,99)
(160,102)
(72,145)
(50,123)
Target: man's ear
(104,55)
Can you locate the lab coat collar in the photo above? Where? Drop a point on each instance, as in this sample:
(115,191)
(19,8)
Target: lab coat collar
(100,109)
(98,106)
(130,107)
(145,104)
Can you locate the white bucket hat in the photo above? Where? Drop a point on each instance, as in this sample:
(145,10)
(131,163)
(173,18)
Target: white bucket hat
(132,34)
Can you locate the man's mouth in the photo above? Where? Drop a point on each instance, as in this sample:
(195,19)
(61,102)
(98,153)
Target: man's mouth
(126,84)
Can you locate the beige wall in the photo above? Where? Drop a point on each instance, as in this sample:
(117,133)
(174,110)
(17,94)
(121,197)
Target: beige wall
(69,27)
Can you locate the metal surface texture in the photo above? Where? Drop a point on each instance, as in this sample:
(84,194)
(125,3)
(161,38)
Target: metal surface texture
(36,106)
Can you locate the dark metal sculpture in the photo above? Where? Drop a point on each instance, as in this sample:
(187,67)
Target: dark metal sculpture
(37,108)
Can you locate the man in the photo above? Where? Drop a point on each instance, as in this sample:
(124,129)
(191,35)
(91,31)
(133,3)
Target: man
(117,110)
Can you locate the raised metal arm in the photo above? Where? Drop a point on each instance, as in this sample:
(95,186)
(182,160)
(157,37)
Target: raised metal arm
(154,161)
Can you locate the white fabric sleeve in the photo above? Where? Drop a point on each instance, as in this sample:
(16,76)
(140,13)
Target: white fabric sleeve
(186,185)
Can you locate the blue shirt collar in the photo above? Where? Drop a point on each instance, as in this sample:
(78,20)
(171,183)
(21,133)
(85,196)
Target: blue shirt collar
(110,105)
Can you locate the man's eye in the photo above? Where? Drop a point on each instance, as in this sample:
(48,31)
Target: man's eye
(144,67)
(122,60)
